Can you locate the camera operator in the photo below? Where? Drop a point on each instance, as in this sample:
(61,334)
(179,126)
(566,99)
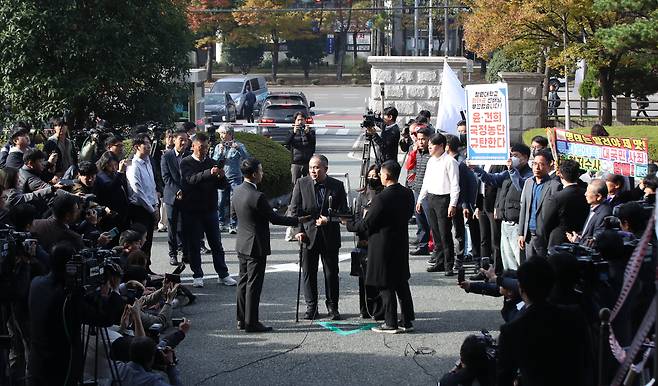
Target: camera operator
(301,142)
(56,316)
(475,366)
(13,196)
(547,344)
(504,285)
(386,144)
(138,371)
(67,155)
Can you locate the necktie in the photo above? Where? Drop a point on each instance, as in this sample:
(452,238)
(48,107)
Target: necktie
(319,195)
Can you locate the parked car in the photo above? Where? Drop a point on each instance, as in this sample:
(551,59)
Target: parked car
(220,108)
(283,113)
(236,86)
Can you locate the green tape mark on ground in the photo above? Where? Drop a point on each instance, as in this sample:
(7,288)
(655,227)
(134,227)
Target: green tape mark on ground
(347,328)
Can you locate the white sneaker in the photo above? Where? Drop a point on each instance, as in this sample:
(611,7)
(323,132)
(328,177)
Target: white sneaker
(198,282)
(228,281)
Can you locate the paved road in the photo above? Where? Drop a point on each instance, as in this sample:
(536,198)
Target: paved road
(215,353)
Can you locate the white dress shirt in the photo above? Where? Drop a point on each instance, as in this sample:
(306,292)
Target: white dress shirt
(141,181)
(441,177)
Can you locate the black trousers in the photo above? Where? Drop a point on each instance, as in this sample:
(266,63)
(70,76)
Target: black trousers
(441,224)
(370,301)
(175,230)
(536,247)
(138,214)
(310,259)
(390,296)
(250,286)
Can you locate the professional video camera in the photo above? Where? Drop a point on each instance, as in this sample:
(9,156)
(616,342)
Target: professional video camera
(371,119)
(91,268)
(12,245)
(593,269)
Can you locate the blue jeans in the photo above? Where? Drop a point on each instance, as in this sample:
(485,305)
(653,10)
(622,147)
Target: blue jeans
(423,232)
(195,224)
(224,199)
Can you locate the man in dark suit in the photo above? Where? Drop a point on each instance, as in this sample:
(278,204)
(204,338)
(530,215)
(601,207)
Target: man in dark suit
(387,226)
(56,228)
(173,193)
(316,195)
(596,195)
(201,177)
(547,344)
(253,242)
(567,211)
(536,192)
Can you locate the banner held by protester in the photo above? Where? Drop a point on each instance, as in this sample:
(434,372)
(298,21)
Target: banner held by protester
(487,120)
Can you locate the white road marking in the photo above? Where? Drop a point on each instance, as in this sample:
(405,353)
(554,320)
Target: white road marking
(321,131)
(343,132)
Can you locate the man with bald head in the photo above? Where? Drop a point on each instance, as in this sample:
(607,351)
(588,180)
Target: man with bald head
(596,195)
(314,195)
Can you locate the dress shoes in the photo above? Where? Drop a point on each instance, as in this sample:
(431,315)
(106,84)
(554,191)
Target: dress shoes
(312,315)
(173,260)
(334,315)
(258,327)
(450,272)
(386,329)
(241,325)
(435,268)
(419,252)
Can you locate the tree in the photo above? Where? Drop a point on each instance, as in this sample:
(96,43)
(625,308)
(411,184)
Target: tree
(244,56)
(274,27)
(501,62)
(123,60)
(207,25)
(359,24)
(603,32)
(307,52)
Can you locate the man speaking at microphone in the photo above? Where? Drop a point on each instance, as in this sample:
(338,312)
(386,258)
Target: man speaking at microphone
(253,243)
(319,195)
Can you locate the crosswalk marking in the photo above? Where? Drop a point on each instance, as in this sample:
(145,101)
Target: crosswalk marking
(343,132)
(321,131)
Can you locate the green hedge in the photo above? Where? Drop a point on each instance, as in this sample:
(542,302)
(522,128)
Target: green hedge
(650,132)
(275,159)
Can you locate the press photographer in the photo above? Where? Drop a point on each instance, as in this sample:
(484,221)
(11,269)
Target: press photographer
(58,308)
(477,363)
(386,143)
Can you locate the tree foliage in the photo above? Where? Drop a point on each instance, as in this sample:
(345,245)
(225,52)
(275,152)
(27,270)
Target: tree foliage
(501,62)
(306,52)
(123,60)
(244,56)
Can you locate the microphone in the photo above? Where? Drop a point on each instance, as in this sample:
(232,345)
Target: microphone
(329,207)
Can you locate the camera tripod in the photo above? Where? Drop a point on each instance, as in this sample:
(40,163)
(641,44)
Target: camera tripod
(105,342)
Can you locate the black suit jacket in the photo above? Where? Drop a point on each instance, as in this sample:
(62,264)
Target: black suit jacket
(550,345)
(387,143)
(595,225)
(254,215)
(304,203)
(566,211)
(387,225)
(171,175)
(199,186)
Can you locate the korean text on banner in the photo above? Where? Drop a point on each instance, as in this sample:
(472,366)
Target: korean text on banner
(487,122)
(624,156)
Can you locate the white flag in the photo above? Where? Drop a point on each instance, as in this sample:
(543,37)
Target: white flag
(452,101)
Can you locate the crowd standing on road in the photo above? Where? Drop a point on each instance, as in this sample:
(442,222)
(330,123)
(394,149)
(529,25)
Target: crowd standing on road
(64,215)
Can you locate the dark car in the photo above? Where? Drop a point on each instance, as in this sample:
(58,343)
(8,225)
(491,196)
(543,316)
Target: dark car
(287,98)
(284,113)
(220,107)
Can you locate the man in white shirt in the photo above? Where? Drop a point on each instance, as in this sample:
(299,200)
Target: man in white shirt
(143,196)
(441,189)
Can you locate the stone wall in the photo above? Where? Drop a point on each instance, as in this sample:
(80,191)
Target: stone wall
(525,101)
(411,83)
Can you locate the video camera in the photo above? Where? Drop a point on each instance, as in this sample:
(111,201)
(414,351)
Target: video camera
(91,268)
(12,245)
(371,119)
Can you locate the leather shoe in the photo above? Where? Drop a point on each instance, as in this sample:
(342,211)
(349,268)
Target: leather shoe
(419,252)
(334,315)
(173,260)
(258,327)
(312,315)
(241,325)
(450,272)
(435,268)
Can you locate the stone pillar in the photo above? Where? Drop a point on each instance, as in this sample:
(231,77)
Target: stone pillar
(624,115)
(197,76)
(525,101)
(412,83)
